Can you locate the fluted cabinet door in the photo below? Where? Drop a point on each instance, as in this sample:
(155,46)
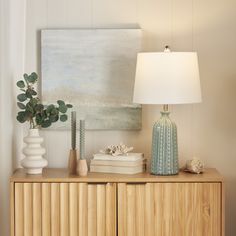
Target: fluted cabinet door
(65,209)
(167,209)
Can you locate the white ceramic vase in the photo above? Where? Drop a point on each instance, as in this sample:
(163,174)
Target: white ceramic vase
(34,161)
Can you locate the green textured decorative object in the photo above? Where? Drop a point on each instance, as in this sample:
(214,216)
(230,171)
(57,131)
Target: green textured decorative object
(164,147)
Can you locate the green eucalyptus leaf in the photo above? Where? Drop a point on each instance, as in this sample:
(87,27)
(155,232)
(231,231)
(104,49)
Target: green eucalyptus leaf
(50,108)
(20,84)
(30,93)
(33,101)
(61,103)
(39,107)
(53,118)
(21,105)
(34,75)
(63,108)
(63,118)
(32,78)
(21,97)
(25,76)
(22,117)
(46,123)
(38,119)
(54,112)
(44,114)
(69,105)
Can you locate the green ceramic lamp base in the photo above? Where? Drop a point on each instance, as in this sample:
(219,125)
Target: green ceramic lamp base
(164,146)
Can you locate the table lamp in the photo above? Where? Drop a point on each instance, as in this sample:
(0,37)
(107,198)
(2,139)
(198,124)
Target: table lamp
(166,78)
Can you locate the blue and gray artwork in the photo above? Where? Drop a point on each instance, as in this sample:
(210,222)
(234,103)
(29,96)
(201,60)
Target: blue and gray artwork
(94,70)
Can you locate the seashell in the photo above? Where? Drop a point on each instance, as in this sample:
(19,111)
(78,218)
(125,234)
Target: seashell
(116,150)
(194,166)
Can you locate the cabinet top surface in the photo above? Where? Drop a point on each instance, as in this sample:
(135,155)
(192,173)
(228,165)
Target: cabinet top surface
(62,175)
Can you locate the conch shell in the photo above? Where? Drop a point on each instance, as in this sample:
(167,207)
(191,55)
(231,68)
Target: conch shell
(194,166)
(116,150)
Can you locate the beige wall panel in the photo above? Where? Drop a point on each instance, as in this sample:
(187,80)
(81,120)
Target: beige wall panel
(78,13)
(114,14)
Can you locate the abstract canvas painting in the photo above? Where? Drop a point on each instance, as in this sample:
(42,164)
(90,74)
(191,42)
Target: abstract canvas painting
(94,70)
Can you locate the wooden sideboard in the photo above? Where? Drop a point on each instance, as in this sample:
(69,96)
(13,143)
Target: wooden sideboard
(57,204)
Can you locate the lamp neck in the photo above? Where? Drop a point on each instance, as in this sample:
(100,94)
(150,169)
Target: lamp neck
(165,107)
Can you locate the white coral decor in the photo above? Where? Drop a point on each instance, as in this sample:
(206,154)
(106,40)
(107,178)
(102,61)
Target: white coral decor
(116,150)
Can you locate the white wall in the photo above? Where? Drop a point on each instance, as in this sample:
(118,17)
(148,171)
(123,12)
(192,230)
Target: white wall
(207,130)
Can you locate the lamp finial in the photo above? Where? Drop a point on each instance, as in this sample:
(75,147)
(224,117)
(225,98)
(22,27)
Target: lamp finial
(167,48)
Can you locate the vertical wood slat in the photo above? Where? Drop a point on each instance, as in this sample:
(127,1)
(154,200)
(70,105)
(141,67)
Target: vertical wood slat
(122,209)
(46,209)
(19,209)
(92,210)
(149,209)
(37,209)
(55,209)
(64,209)
(73,209)
(28,206)
(110,209)
(140,210)
(131,210)
(101,210)
(83,209)
(12,206)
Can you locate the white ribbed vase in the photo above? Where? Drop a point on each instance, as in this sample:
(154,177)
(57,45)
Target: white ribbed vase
(34,161)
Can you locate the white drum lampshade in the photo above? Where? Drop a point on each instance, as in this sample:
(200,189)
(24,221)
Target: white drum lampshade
(167,78)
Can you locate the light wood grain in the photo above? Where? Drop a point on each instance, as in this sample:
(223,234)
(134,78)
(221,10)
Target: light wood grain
(180,209)
(83,209)
(46,209)
(37,209)
(64,209)
(28,206)
(73,201)
(122,209)
(127,208)
(62,175)
(19,209)
(12,208)
(110,209)
(149,209)
(131,197)
(140,209)
(92,209)
(101,210)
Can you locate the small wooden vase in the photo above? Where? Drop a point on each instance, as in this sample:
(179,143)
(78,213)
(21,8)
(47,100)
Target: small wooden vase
(72,163)
(82,168)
